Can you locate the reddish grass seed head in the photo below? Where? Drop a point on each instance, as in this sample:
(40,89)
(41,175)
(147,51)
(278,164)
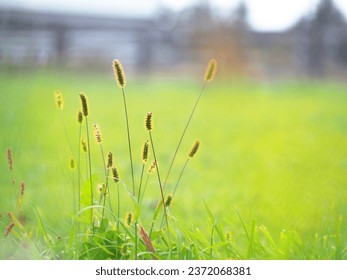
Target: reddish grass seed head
(97,132)
(22,188)
(8,229)
(9,159)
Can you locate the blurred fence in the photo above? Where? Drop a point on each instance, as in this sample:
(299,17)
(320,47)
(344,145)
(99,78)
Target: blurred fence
(315,46)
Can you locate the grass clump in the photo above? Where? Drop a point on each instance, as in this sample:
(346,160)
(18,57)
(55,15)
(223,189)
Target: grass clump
(118,218)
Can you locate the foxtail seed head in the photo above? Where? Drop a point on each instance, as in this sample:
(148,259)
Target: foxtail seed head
(9,229)
(119,73)
(109,160)
(194,149)
(9,159)
(149,121)
(72,163)
(168,200)
(59,99)
(22,188)
(145,152)
(228,236)
(84,145)
(97,133)
(115,174)
(128,219)
(80,117)
(103,189)
(84,104)
(124,250)
(210,70)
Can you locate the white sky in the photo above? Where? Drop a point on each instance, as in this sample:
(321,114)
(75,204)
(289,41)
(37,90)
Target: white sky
(263,14)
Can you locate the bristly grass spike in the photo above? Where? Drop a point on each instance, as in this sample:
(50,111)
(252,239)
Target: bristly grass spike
(210,70)
(119,73)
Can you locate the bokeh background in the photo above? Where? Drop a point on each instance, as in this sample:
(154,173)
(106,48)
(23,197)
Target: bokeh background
(273,124)
(257,39)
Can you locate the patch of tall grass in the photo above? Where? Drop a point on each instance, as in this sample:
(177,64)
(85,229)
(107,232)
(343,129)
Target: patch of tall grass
(154,227)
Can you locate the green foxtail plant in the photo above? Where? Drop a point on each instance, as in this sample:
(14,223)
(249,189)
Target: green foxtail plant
(85,111)
(121,81)
(208,77)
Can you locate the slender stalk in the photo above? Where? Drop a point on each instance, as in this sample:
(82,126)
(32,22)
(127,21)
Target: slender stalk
(66,133)
(118,213)
(129,140)
(108,192)
(118,207)
(180,176)
(79,169)
(183,133)
(174,191)
(161,192)
(211,242)
(90,174)
(136,242)
(139,192)
(144,189)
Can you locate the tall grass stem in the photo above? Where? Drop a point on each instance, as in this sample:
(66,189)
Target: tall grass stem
(129,141)
(183,133)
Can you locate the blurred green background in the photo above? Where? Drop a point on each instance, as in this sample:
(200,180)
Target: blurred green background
(275,152)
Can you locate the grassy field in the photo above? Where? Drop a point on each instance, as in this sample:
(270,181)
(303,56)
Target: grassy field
(268,182)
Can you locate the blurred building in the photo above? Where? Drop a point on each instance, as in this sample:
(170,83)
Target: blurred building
(315,46)
(40,38)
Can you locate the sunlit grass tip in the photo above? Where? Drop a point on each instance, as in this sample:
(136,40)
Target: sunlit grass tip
(210,70)
(59,99)
(119,73)
(145,152)
(149,121)
(194,149)
(84,104)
